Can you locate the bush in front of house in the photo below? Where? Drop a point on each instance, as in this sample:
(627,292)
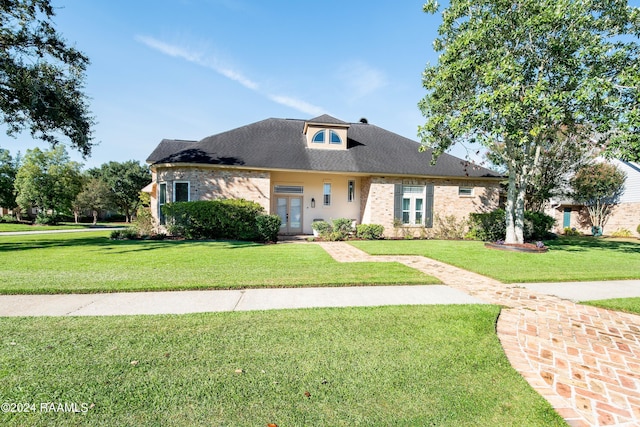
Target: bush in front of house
(369,231)
(491,227)
(129,233)
(323,228)
(622,232)
(268,227)
(214,219)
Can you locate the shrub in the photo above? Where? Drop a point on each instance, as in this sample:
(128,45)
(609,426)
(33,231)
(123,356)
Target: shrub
(638,229)
(323,228)
(129,233)
(8,219)
(144,221)
(540,225)
(491,226)
(369,231)
(46,219)
(571,232)
(268,227)
(621,232)
(214,219)
(450,227)
(342,228)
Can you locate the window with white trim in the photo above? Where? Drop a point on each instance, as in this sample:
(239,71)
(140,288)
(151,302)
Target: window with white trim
(326,194)
(181,191)
(413,204)
(351,190)
(465,191)
(162,200)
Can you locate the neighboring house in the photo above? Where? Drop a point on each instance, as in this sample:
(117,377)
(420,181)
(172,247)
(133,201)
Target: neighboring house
(626,215)
(321,169)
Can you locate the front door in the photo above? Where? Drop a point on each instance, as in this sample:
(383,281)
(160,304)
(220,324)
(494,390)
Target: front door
(289,209)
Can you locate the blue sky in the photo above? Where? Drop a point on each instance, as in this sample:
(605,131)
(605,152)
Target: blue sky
(187,69)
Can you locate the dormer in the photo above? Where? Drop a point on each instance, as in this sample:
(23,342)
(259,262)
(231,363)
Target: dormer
(326,133)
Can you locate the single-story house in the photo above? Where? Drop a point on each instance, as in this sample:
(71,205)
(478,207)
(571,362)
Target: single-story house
(322,169)
(625,215)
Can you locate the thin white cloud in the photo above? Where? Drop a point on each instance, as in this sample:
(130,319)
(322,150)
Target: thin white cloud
(198,59)
(214,64)
(361,79)
(297,104)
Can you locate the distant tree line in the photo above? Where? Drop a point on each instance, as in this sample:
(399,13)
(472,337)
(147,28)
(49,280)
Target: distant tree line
(57,187)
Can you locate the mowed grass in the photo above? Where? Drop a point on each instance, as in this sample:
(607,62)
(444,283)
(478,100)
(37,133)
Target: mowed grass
(568,259)
(628,305)
(91,262)
(12,227)
(401,366)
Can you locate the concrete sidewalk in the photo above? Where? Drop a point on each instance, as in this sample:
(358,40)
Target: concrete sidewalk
(180,302)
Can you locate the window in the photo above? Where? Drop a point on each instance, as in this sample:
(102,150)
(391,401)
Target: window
(326,200)
(180,191)
(319,137)
(351,191)
(288,189)
(162,200)
(414,204)
(335,138)
(465,191)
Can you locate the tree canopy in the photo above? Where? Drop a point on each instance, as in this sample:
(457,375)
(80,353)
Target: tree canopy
(49,181)
(8,170)
(125,180)
(599,187)
(515,75)
(41,77)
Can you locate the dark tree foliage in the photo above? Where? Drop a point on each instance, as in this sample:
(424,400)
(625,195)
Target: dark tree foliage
(41,77)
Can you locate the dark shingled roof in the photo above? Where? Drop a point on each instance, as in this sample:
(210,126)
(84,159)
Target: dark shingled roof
(281,144)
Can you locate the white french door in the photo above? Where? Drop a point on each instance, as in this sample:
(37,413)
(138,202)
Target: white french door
(289,209)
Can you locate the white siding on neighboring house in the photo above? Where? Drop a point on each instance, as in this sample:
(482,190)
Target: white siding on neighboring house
(632,184)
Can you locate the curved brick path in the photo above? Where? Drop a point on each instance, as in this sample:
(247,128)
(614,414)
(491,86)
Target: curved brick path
(585,361)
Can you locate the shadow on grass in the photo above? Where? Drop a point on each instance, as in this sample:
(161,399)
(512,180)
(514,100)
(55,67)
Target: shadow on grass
(106,244)
(584,244)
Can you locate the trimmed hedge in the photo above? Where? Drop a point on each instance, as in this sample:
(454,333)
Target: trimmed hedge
(491,226)
(235,219)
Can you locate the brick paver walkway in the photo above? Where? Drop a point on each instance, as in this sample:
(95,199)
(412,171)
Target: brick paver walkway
(585,361)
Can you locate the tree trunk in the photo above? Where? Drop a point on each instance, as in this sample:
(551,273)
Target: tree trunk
(516,194)
(95,217)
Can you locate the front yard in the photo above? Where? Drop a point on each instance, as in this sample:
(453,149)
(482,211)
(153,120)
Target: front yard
(402,366)
(90,262)
(568,259)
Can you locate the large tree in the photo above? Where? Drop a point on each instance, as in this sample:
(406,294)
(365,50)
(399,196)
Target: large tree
(125,180)
(95,196)
(512,75)
(49,181)
(8,170)
(41,77)
(599,187)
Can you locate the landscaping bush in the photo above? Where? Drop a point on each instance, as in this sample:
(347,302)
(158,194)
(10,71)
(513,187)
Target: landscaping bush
(129,233)
(571,232)
(342,229)
(9,219)
(491,227)
(369,231)
(450,227)
(47,219)
(638,229)
(268,227)
(621,232)
(323,228)
(214,219)
(144,221)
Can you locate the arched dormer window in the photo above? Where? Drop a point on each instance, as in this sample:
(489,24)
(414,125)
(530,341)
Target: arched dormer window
(319,137)
(335,138)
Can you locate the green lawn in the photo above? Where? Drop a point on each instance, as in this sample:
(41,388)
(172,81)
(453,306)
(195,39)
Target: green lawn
(6,227)
(629,305)
(568,259)
(401,366)
(90,262)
